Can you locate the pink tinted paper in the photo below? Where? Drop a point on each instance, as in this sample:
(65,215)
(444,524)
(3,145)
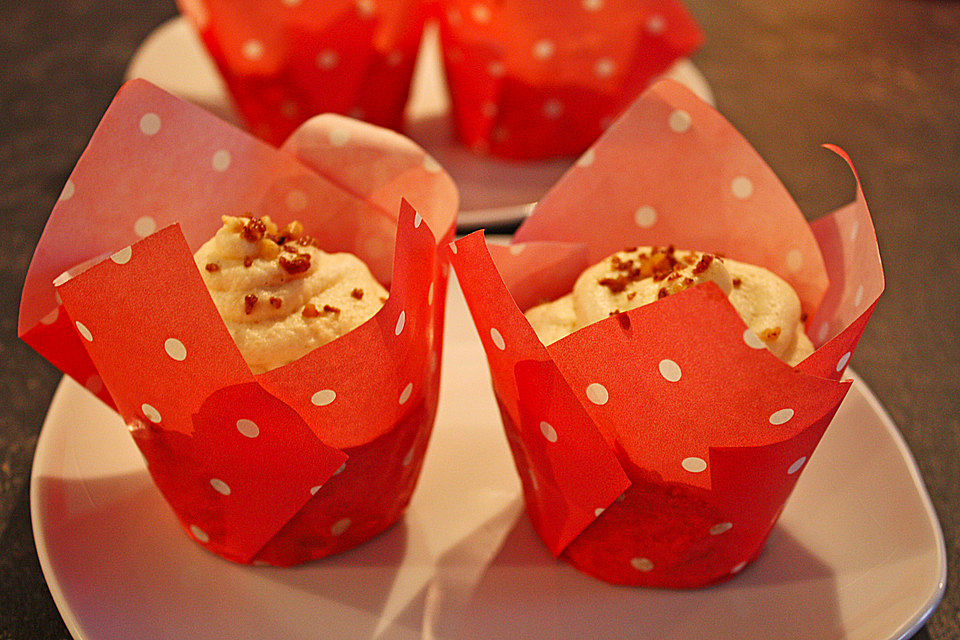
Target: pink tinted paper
(285,62)
(711,431)
(541,78)
(308,459)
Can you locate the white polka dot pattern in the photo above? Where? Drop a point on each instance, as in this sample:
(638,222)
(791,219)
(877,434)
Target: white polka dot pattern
(221,160)
(798,463)
(144,226)
(199,534)
(340,526)
(220,486)
(742,187)
(642,564)
(548,432)
(597,393)
(781,417)
(175,349)
(670,370)
(842,362)
(150,413)
(497,339)
(645,217)
(694,464)
(150,124)
(82,328)
(405,394)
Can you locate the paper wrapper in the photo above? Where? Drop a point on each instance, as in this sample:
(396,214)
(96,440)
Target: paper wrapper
(541,78)
(308,459)
(284,62)
(658,447)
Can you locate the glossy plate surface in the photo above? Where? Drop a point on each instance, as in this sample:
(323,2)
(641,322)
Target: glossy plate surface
(492,191)
(857,554)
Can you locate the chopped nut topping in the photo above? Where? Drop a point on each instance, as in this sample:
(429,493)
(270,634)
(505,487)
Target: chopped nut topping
(269,249)
(383,300)
(770,334)
(310,311)
(329,308)
(631,295)
(736,283)
(704,263)
(247,261)
(616,285)
(357,293)
(803,317)
(663,293)
(249,302)
(275,302)
(298,263)
(253,230)
(613,313)
(212,266)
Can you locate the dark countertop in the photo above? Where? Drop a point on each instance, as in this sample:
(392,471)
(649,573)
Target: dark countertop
(881,79)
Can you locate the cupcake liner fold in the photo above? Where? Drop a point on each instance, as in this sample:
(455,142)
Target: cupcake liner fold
(308,459)
(284,62)
(658,447)
(536,79)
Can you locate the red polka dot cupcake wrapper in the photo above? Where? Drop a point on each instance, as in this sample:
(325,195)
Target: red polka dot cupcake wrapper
(285,61)
(308,459)
(540,79)
(658,447)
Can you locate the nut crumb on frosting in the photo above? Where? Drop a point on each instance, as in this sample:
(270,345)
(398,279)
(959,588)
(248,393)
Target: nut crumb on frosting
(357,293)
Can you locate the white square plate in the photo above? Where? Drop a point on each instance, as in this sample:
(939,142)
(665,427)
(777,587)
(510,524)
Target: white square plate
(858,552)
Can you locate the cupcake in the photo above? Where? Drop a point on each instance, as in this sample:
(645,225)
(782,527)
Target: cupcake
(658,445)
(539,79)
(284,62)
(277,436)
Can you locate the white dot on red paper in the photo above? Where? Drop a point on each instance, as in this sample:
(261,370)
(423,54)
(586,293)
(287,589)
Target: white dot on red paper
(340,526)
(68,190)
(621,497)
(517,249)
(587,158)
(797,464)
(543,49)
(720,527)
(781,417)
(794,260)
(51,317)
(340,469)
(842,362)
(94,384)
(480,13)
(548,431)
(645,217)
(641,564)
(323,397)
(497,339)
(597,512)
(453,247)
(858,296)
(741,187)
(175,349)
(417,219)
(220,486)
(150,412)
(656,24)
(854,229)
(737,568)
(327,59)
(199,534)
(407,459)
(248,428)
(366,8)
(694,464)
(252,49)
(431,165)
(495,69)
(221,160)
(149,124)
(405,394)
(314,489)
(430,294)
(824,331)
(670,370)
(394,58)
(144,226)
(296,200)
(592,5)
(597,393)
(82,328)
(401,321)
(604,67)
(122,256)
(292,3)
(679,121)
(552,108)
(753,340)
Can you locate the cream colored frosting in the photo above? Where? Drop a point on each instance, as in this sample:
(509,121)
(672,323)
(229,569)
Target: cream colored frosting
(279,295)
(631,278)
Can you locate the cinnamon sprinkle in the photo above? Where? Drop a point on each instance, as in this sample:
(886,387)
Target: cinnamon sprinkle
(249,302)
(704,263)
(329,308)
(247,261)
(298,263)
(276,303)
(770,334)
(212,266)
(310,311)
(736,283)
(357,293)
